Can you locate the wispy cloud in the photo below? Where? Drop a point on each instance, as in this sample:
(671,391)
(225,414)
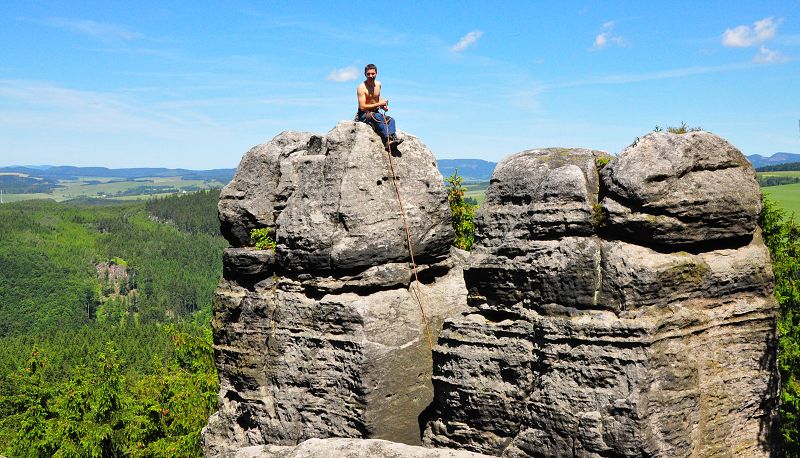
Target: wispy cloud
(744,36)
(99,30)
(37,104)
(467,40)
(343,75)
(625,78)
(769,56)
(607,36)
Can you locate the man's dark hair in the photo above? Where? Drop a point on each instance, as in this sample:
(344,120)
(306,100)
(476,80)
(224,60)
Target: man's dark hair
(370,67)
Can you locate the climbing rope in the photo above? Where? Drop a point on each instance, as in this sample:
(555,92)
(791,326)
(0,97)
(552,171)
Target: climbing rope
(418,290)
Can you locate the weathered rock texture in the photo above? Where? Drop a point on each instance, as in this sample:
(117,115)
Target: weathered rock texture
(622,313)
(347,448)
(331,203)
(323,337)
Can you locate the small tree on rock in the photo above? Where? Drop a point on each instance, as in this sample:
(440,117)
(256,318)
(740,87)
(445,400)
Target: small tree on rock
(462,214)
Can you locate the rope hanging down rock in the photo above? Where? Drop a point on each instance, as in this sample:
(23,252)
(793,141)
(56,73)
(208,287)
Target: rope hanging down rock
(417,291)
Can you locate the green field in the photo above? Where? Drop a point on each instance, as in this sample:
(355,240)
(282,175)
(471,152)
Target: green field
(787,173)
(117,188)
(476,190)
(787,196)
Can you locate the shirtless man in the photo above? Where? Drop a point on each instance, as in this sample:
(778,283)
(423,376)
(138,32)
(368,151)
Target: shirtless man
(369,102)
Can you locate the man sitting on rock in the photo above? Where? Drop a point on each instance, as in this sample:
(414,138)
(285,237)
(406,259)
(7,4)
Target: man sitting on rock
(369,102)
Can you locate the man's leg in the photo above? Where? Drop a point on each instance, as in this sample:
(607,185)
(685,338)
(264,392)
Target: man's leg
(378,118)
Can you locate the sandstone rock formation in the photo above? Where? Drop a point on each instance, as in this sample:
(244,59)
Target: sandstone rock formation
(323,337)
(606,310)
(626,312)
(331,202)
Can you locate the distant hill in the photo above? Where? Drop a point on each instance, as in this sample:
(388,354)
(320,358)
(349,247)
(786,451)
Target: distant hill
(469,169)
(69,172)
(778,158)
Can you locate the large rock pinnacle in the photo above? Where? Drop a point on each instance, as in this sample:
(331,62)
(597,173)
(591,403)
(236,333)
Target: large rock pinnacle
(620,312)
(324,337)
(331,203)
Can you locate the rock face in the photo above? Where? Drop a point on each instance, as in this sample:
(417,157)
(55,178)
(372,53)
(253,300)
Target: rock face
(626,312)
(678,190)
(324,336)
(331,203)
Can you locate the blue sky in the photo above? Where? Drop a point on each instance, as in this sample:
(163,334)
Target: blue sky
(195,84)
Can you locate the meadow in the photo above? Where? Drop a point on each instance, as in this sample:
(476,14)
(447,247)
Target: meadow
(117,188)
(782,173)
(476,190)
(787,196)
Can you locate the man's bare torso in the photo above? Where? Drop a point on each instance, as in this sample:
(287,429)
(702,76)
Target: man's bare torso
(371,91)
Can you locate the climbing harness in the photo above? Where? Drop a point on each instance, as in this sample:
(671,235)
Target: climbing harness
(418,290)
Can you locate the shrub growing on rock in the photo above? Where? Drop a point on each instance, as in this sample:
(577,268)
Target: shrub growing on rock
(262,239)
(462,213)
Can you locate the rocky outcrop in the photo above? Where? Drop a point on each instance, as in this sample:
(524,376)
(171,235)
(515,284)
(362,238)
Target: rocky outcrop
(324,336)
(681,190)
(330,200)
(606,310)
(620,312)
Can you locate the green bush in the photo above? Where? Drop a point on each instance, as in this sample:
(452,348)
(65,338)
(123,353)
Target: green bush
(262,239)
(682,129)
(462,214)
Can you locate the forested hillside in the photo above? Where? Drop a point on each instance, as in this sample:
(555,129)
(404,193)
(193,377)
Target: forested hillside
(104,313)
(195,213)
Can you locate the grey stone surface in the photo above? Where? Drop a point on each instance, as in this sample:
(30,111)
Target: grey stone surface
(296,363)
(542,193)
(330,201)
(600,341)
(684,189)
(325,337)
(346,448)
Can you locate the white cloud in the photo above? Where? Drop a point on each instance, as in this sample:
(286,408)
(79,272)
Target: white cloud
(467,41)
(606,37)
(768,56)
(600,41)
(744,36)
(105,32)
(343,75)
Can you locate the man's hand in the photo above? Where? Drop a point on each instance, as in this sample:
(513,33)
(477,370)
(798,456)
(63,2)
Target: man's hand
(385,105)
